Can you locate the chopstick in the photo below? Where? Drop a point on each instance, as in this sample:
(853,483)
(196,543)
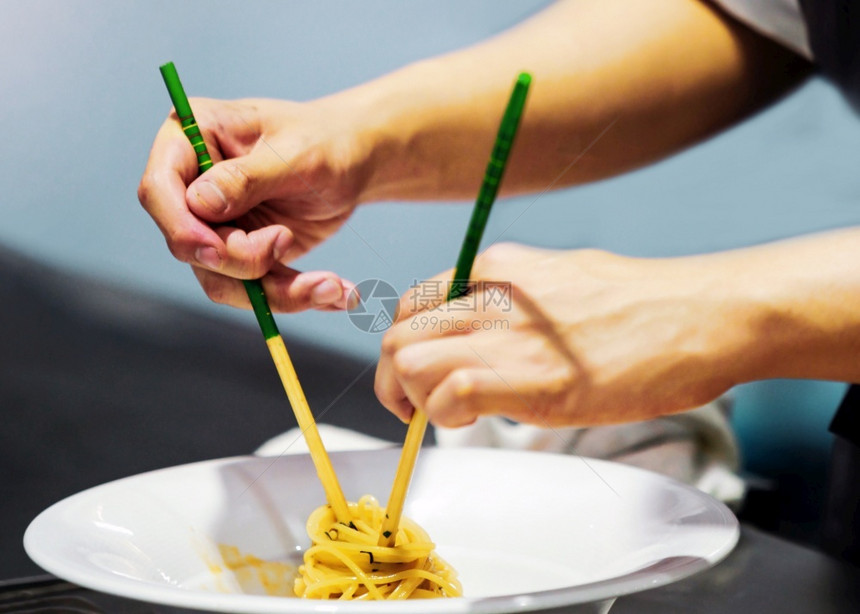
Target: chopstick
(274,341)
(459,286)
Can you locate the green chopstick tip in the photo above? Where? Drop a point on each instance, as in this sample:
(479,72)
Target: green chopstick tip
(176,91)
(490,185)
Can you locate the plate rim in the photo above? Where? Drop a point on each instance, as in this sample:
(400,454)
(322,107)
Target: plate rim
(652,575)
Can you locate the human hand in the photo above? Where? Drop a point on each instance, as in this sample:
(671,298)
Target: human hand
(286,174)
(586,338)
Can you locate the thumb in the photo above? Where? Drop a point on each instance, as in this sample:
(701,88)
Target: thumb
(233,187)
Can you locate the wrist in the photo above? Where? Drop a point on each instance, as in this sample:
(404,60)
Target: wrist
(416,138)
(377,160)
(798,299)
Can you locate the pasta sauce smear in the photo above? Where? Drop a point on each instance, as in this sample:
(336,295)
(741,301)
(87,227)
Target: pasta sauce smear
(345,562)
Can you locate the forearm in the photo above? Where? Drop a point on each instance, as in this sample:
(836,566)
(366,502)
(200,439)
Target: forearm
(617,84)
(794,308)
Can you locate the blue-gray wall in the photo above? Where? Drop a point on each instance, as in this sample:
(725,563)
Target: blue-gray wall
(82,98)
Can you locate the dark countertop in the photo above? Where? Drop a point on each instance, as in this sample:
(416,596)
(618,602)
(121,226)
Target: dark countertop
(763,574)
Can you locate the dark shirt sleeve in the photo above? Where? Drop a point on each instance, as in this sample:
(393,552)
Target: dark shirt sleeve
(834,36)
(846,422)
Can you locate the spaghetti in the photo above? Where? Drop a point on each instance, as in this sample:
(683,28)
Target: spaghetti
(345,562)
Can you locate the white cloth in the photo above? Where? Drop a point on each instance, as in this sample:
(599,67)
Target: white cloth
(695,447)
(780,20)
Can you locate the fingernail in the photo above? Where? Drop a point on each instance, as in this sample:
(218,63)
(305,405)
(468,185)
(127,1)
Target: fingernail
(326,293)
(407,417)
(352,299)
(210,196)
(208,257)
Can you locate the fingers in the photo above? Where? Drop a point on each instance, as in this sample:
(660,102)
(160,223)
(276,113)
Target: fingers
(290,291)
(287,290)
(467,393)
(228,190)
(248,255)
(171,166)
(406,377)
(420,352)
(232,187)
(455,380)
(414,357)
(403,346)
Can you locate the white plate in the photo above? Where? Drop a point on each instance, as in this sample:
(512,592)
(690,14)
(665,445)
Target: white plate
(525,531)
